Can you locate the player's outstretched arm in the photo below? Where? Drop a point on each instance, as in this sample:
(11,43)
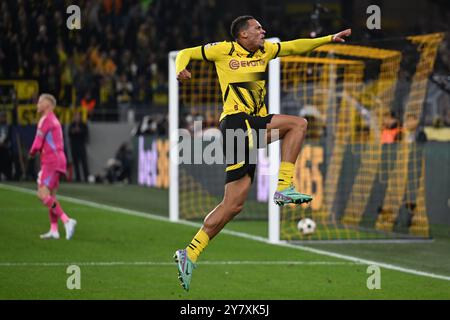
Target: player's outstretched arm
(339,37)
(182,60)
(301,46)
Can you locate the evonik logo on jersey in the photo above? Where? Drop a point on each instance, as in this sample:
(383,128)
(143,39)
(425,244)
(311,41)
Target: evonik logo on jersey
(235,64)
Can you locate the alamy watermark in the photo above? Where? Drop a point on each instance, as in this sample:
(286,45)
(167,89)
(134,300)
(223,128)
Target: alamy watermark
(206,147)
(374,20)
(74,280)
(74,20)
(374,280)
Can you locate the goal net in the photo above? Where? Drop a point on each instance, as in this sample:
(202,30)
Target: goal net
(361,160)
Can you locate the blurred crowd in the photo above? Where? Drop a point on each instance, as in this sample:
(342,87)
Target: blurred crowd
(117,59)
(116,62)
(115,66)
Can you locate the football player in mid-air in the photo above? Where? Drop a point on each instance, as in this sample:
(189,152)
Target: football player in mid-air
(49,142)
(241,67)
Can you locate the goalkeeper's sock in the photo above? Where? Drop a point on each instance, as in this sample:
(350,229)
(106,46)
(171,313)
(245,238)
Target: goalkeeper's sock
(285,175)
(197,245)
(53,221)
(59,212)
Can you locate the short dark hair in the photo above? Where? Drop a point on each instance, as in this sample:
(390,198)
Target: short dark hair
(238,24)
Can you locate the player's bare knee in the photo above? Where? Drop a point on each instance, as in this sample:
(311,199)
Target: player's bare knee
(302,123)
(40,195)
(297,124)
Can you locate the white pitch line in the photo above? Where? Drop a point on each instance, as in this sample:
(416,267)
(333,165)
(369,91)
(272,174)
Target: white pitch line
(158,263)
(239,234)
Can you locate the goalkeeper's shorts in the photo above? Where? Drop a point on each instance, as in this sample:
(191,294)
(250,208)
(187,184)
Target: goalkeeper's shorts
(49,177)
(242,135)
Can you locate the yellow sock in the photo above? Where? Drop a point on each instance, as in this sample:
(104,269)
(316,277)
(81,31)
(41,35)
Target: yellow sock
(285,175)
(197,245)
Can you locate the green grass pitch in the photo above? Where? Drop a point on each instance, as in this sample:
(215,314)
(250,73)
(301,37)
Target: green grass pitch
(123,256)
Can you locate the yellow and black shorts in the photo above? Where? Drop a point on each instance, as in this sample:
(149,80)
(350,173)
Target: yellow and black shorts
(242,135)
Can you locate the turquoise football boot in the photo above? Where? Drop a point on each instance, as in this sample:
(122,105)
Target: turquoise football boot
(185,268)
(290,195)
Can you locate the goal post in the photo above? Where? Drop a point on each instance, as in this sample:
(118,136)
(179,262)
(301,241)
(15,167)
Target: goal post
(173,139)
(274,151)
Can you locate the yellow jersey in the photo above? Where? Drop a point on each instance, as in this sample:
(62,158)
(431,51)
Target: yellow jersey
(243,74)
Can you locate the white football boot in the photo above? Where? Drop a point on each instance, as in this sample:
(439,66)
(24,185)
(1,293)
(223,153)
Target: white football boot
(70,228)
(50,235)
